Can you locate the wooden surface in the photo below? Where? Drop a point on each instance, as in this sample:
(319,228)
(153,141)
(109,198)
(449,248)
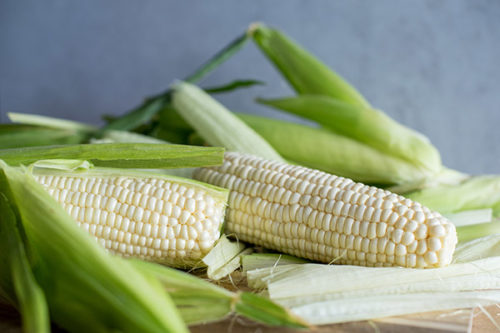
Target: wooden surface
(467,320)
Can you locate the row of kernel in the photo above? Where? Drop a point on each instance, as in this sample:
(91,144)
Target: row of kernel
(321,252)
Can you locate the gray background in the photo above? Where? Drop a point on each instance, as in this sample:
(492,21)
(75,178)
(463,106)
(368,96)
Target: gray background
(433,65)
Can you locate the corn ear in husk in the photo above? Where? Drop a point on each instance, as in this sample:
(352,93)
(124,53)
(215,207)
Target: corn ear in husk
(86,288)
(369,126)
(305,73)
(325,150)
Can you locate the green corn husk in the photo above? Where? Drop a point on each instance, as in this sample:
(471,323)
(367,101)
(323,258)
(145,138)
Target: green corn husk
(50,122)
(474,193)
(232,86)
(171,135)
(140,115)
(17,283)
(200,301)
(468,233)
(370,126)
(330,152)
(79,132)
(15,136)
(125,137)
(321,149)
(123,155)
(171,120)
(217,125)
(224,258)
(304,72)
(87,290)
(445,176)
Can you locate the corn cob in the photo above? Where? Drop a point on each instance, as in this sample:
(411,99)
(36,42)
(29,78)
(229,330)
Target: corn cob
(319,216)
(148,216)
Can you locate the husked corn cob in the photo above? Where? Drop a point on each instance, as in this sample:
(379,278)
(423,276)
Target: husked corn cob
(156,218)
(319,216)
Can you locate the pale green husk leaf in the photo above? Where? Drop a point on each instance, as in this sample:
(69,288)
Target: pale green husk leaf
(474,193)
(217,125)
(85,130)
(361,293)
(15,136)
(372,307)
(266,260)
(305,73)
(470,217)
(333,153)
(367,125)
(50,122)
(223,259)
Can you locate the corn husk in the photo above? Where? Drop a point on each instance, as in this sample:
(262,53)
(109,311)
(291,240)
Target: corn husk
(467,233)
(367,125)
(265,260)
(223,259)
(330,152)
(305,73)
(123,155)
(217,125)
(200,301)
(361,293)
(79,132)
(15,136)
(445,176)
(473,193)
(479,248)
(366,308)
(470,217)
(17,282)
(49,122)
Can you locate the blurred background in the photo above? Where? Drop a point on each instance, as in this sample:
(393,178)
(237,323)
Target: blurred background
(432,65)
